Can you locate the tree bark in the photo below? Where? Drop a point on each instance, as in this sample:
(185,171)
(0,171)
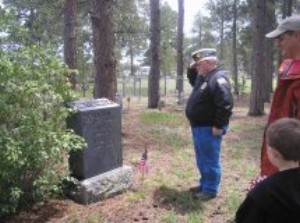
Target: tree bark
(234,49)
(154,75)
(269,52)
(286,10)
(103,45)
(287,7)
(256,107)
(70,23)
(221,54)
(180,37)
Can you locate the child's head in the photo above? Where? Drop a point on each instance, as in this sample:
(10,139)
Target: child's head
(283,136)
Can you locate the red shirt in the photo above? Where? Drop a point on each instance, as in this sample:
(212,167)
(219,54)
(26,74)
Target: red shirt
(286,103)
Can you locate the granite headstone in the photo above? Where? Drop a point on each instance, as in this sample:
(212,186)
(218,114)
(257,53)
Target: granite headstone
(98,121)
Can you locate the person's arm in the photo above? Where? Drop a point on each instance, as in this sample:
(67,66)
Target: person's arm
(223,102)
(296,100)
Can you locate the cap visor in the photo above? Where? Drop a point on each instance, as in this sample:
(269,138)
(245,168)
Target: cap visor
(209,58)
(274,33)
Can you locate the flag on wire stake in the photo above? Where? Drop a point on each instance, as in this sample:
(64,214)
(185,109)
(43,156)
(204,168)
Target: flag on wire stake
(142,165)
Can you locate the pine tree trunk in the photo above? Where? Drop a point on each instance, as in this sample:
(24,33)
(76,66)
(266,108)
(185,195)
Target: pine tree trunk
(103,46)
(287,7)
(70,15)
(221,53)
(269,52)
(234,50)
(256,107)
(154,75)
(180,37)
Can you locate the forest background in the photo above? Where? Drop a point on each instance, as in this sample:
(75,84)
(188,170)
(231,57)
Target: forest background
(53,52)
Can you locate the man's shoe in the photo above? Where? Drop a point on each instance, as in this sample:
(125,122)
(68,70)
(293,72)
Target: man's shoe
(196,189)
(204,196)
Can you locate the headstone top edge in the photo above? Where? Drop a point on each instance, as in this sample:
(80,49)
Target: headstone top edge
(93,104)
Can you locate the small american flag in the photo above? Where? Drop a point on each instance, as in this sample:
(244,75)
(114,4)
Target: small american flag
(142,165)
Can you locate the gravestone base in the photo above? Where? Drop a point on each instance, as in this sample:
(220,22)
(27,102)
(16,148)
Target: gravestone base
(102,186)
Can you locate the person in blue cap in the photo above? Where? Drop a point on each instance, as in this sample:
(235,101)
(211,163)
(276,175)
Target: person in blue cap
(208,110)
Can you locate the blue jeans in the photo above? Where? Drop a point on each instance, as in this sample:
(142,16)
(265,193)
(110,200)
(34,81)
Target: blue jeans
(207,151)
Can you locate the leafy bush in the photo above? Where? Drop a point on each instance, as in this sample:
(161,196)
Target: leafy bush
(34,140)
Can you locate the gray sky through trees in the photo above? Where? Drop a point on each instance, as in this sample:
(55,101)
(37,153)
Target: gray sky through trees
(191,8)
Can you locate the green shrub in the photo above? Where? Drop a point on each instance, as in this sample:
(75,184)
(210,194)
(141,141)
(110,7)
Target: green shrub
(34,140)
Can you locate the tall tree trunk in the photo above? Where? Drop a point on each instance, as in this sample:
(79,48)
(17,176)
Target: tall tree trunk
(269,52)
(286,11)
(131,60)
(297,8)
(287,7)
(234,49)
(103,44)
(70,23)
(180,37)
(154,75)
(30,24)
(200,32)
(256,98)
(221,56)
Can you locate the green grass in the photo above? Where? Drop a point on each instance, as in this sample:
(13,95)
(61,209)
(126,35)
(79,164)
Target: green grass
(194,218)
(160,118)
(95,218)
(165,128)
(137,196)
(170,217)
(170,138)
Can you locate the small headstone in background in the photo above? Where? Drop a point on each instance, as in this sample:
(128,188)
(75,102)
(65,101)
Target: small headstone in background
(119,99)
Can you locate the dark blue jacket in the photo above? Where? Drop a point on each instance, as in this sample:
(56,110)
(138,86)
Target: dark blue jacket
(210,103)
